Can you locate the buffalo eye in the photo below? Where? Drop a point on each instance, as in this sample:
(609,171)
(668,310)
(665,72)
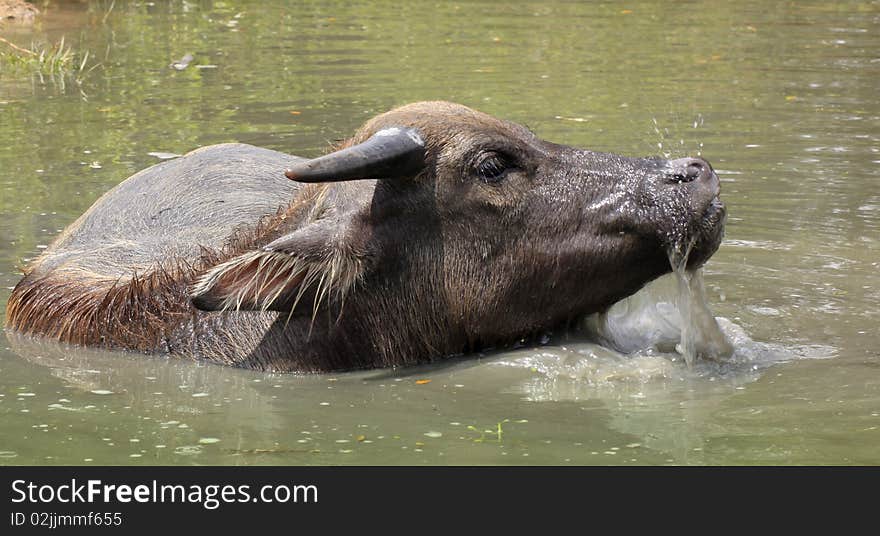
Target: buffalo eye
(492,167)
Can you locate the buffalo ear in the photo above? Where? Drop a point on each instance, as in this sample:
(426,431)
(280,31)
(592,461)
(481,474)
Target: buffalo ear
(296,274)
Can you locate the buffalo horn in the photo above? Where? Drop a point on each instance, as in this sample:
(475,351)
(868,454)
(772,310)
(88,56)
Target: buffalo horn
(392,153)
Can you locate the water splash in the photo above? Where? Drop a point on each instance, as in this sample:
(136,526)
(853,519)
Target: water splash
(670,314)
(700,335)
(634,349)
(668,149)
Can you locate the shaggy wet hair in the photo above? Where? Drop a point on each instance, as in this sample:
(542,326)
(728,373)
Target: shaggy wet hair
(139,312)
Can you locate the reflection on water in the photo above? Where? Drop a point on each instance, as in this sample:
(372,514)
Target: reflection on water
(114,408)
(654,371)
(780,98)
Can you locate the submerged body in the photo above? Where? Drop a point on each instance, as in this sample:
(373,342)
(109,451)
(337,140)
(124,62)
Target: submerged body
(435,230)
(119,275)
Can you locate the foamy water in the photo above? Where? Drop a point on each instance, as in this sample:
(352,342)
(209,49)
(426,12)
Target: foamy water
(665,317)
(662,336)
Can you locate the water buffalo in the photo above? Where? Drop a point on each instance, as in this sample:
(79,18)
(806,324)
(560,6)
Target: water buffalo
(435,230)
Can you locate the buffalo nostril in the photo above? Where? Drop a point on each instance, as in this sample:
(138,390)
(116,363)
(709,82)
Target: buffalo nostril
(688,170)
(694,170)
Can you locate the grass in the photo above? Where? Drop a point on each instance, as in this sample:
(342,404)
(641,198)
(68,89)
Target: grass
(58,60)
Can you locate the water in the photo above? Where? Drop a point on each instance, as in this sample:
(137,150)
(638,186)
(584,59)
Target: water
(700,335)
(664,317)
(780,99)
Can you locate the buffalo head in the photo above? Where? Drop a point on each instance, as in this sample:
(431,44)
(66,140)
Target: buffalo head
(439,223)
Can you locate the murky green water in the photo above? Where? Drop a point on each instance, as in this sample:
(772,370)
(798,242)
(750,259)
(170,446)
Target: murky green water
(780,97)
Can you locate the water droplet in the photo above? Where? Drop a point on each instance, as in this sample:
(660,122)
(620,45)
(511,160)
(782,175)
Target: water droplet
(188,450)
(162,155)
